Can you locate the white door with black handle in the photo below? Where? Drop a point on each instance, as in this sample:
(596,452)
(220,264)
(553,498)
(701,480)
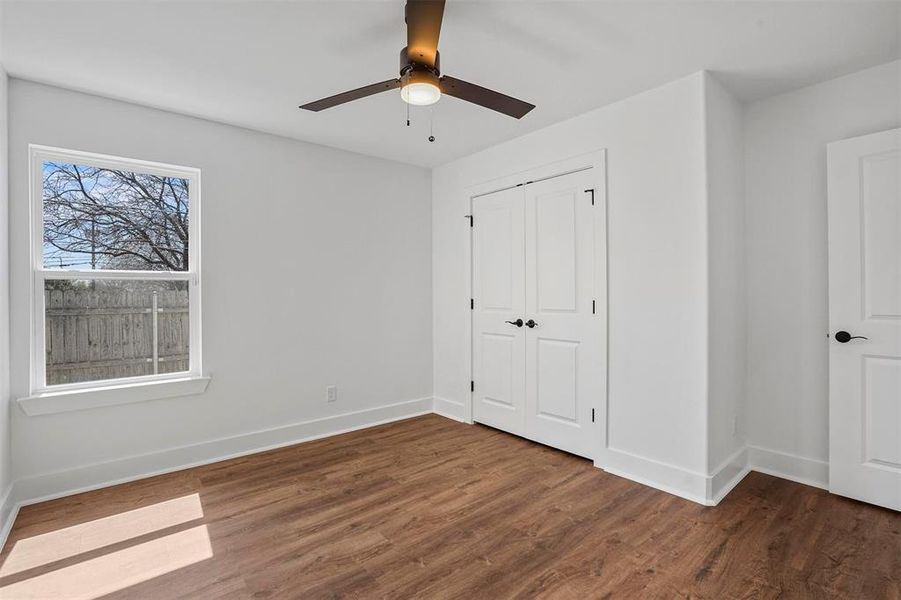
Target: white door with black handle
(536,333)
(864,203)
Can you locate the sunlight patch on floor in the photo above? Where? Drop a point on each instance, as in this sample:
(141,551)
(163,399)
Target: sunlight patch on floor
(64,543)
(117,570)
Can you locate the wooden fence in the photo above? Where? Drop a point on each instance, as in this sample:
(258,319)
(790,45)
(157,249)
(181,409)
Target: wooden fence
(108,333)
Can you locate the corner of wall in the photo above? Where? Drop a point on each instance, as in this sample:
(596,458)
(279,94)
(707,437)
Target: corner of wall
(726,314)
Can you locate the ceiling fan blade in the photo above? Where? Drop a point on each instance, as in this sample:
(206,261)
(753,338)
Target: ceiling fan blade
(356,94)
(423,28)
(484,97)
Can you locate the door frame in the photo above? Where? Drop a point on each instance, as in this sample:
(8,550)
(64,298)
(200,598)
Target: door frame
(596,160)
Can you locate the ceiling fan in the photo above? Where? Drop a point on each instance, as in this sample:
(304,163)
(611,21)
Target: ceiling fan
(420,81)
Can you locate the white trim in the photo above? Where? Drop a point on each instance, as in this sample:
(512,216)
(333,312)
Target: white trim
(711,489)
(127,392)
(716,497)
(708,490)
(110,161)
(9,510)
(728,475)
(597,161)
(666,477)
(115,274)
(37,154)
(808,471)
(450,409)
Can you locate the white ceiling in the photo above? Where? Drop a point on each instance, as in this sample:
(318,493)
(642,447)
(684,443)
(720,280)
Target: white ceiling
(251,63)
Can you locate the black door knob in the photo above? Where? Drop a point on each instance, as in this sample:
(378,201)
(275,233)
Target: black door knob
(530,323)
(517,322)
(843,337)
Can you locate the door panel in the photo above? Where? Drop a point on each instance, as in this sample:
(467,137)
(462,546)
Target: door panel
(562,351)
(496,224)
(498,348)
(865,300)
(882,411)
(880,176)
(498,353)
(557,362)
(555,239)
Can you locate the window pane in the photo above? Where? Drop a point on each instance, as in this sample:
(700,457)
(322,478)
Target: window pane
(96,218)
(105,329)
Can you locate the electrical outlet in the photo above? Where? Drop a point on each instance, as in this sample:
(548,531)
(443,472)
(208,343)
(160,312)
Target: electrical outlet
(331,393)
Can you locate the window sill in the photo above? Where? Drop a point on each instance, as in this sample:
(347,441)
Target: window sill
(48,403)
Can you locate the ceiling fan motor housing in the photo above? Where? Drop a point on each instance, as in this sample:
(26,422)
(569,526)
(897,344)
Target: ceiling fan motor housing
(409,64)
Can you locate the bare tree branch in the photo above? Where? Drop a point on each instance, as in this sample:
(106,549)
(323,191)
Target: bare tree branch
(116,219)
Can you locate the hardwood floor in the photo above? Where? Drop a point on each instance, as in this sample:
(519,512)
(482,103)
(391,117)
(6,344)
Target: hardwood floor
(435,509)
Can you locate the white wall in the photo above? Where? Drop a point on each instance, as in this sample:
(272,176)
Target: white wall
(5,462)
(657,265)
(726,303)
(785,188)
(316,271)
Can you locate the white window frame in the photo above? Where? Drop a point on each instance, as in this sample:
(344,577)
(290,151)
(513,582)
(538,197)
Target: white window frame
(38,382)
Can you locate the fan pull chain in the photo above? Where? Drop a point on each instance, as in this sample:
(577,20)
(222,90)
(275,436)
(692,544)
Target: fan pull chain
(431,125)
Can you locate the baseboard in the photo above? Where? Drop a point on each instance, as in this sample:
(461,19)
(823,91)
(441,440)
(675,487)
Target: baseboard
(796,468)
(449,408)
(9,509)
(656,474)
(47,486)
(726,476)
(708,490)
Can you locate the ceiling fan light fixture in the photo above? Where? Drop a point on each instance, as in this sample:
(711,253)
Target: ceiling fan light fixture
(420,88)
(420,94)
(421,82)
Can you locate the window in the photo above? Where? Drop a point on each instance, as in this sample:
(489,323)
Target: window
(116,268)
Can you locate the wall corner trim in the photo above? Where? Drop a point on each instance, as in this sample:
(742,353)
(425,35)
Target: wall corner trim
(710,490)
(450,409)
(728,475)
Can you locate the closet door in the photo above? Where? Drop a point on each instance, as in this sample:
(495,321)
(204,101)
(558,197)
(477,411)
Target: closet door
(563,335)
(498,342)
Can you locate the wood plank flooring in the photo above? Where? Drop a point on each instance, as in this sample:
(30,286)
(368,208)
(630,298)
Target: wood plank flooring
(431,508)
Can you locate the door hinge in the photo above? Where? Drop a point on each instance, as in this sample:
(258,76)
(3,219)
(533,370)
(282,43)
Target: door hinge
(591,191)
(471,219)
(472,386)
(593,307)
(592,415)
(472,304)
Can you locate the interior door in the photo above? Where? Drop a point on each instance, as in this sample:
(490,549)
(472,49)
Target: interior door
(536,337)
(865,318)
(498,342)
(563,336)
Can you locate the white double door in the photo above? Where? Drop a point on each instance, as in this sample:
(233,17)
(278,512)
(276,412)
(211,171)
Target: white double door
(536,332)
(865,318)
